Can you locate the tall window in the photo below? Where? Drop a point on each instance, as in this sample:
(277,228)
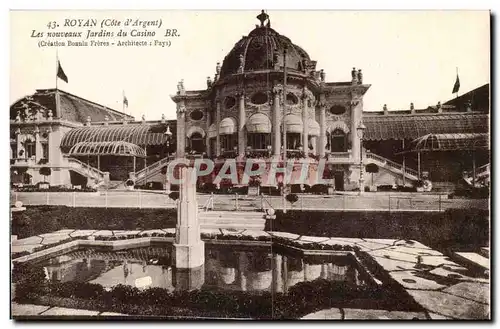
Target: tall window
(228,142)
(293,141)
(29,146)
(338,141)
(197,143)
(45,151)
(259,141)
(13,150)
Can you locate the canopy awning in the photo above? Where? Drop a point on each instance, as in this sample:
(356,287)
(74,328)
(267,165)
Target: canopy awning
(404,126)
(293,124)
(227,126)
(107,148)
(450,142)
(195,129)
(313,127)
(212,131)
(338,125)
(259,123)
(138,134)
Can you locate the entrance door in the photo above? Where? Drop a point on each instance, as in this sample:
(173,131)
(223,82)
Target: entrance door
(339,180)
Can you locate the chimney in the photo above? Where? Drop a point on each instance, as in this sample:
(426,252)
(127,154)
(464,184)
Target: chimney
(360,77)
(386,111)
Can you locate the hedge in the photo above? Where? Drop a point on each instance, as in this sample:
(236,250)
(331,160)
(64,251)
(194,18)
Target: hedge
(440,230)
(36,188)
(37,220)
(301,299)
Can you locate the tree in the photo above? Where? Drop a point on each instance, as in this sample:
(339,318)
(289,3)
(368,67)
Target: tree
(45,171)
(372,169)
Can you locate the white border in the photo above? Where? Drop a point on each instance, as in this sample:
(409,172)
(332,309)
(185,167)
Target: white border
(190,4)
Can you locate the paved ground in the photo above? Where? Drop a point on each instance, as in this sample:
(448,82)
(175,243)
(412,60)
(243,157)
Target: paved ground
(26,310)
(380,201)
(444,288)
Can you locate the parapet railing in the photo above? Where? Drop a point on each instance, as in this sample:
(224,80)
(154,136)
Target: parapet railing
(209,204)
(263,201)
(73,161)
(392,164)
(151,169)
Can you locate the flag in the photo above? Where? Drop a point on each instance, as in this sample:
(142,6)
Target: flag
(60,72)
(456,87)
(125,101)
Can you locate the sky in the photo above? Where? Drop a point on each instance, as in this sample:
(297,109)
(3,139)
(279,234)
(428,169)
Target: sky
(406,56)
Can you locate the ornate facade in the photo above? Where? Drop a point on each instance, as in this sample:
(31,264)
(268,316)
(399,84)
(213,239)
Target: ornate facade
(248,103)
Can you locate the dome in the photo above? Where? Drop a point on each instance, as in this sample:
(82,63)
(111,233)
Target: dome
(256,51)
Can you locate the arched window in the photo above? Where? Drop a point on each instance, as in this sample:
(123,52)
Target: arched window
(338,141)
(197,143)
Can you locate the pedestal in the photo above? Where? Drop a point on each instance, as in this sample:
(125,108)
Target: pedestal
(188,249)
(188,256)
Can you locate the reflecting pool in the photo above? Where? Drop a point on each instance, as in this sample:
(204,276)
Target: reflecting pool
(228,267)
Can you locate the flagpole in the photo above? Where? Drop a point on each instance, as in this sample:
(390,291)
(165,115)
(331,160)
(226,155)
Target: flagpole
(123,101)
(457,76)
(57,65)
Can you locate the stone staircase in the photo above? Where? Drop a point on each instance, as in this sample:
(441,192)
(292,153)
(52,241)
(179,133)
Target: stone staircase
(150,171)
(237,220)
(391,166)
(85,170)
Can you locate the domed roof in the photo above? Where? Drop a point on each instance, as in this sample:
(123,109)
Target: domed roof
(260,49)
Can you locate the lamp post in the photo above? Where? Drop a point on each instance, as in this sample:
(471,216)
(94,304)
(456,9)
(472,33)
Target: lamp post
(168,135)
(361,130)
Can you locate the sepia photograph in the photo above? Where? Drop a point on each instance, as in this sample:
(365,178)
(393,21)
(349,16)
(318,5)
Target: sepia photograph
(250,165)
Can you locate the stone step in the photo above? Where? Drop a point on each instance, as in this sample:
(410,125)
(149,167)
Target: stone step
(473,259)
(230,214)
(233,226)
(220,221)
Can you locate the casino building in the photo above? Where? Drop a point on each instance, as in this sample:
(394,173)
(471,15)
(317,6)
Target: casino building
(267,99)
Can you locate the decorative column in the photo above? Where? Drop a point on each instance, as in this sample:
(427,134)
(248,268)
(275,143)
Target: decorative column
(276,123)
(356,106)
(181,130)
(207,138)
(305,125)
(19,145)
(217,123)
(38,145)
(241,124)
(189,250)
(322,128)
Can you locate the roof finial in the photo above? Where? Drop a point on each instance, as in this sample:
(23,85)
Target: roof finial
(262,17)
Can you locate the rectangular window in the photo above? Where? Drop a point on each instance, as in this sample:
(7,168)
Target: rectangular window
(30,150)
(45,151)
(228,142)
(259,141)
(13,151)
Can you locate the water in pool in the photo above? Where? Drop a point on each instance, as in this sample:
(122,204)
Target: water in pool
(255,269)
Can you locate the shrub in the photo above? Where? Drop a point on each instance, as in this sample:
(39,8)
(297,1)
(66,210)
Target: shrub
(174,195)
(292,198)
